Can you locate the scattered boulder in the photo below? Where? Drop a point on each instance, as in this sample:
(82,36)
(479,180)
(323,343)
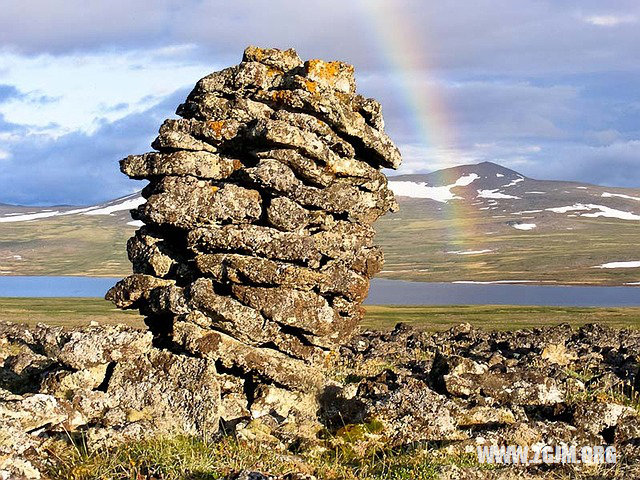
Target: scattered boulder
(464,388)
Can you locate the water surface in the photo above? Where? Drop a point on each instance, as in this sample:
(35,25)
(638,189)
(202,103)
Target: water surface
(383,292)
(398,292)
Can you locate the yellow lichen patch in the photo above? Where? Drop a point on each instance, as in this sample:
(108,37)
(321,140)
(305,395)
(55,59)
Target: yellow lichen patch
(280,95)
(214,189)
(327,70)
(217,127)
(137,415)
(256,52)
(311,86)
(272,72)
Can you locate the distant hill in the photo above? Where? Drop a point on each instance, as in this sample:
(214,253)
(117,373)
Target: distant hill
(503,193)
(477,223)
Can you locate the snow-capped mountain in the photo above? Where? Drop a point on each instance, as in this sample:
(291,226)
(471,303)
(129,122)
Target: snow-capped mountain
(119,207)
(503,193)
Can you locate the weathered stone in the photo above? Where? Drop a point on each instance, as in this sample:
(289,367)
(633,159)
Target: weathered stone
(281,59)
(340,197)
(129,291)
(197,164)
(286,306)
(195,135)
(31,412)
(332,75)
(304,167)
(187,202)
(375,147)
(285,214)
(85,348)
(350,243)
(485,416)
(64,384)
(205,106)
(332,278)
(150,254)
(174,393)
(265,363)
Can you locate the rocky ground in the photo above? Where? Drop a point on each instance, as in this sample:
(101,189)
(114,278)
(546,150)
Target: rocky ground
(467,387)
(397,391)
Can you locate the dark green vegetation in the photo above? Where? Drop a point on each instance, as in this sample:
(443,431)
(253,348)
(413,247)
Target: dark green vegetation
(81,311)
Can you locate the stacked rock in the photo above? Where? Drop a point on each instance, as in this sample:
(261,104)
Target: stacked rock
(257,247)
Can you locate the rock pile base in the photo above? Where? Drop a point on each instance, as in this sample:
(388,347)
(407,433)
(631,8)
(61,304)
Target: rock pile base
(449,391)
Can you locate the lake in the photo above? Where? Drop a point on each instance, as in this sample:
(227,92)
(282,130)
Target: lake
(383,292)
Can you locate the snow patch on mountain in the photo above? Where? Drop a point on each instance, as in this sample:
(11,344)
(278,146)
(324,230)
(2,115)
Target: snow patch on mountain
(633,264)
(27,217)
(469,252)
(421,190)
(494,194)
(603,211)
(514,182)
(127,204)
(526,212)
(620,195)
(524,226)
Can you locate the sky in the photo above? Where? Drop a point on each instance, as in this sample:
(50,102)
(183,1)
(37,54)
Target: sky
(547,88)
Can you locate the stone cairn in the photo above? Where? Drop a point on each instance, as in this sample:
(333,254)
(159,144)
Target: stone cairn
(257,247)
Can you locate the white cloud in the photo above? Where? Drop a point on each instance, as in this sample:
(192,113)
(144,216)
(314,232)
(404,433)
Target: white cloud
(610,20)
(81,91)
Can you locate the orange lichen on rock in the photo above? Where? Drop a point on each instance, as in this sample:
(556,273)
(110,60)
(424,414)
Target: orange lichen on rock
(237,164)
(311,86)
(323,69)
(272,72)
(280,95)
(336,75)
(217,127)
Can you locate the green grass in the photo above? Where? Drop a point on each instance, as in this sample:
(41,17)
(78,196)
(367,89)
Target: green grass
(71,312)
(66,312)
(497,317)
(179,458)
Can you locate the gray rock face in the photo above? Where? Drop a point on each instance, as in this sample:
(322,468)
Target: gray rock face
(257,247)
(108,382)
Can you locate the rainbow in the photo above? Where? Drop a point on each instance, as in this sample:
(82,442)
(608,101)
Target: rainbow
(421,98)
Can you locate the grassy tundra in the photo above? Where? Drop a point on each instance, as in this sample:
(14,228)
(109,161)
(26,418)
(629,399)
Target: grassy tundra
(81,311)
